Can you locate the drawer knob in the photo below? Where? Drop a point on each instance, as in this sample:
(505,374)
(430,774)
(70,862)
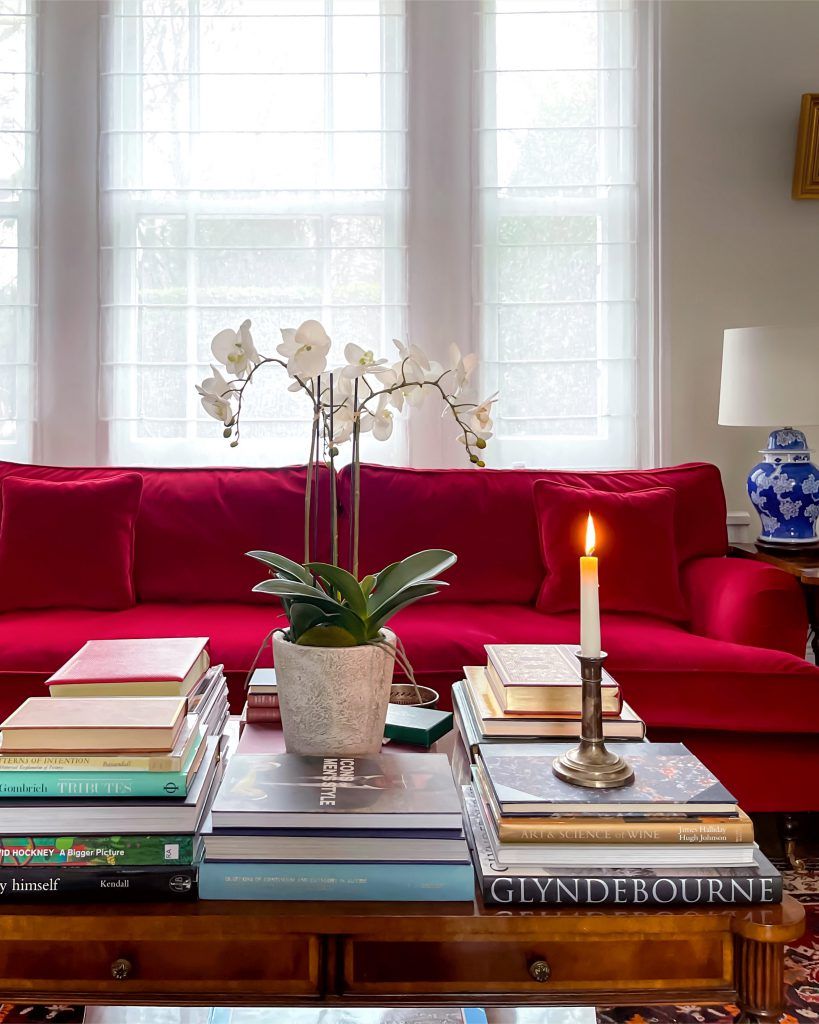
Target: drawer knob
(120,969)
(540,970)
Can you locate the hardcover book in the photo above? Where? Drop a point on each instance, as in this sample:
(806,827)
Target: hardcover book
(263,681)
(166,667)
(116,817)
(574,852)
(52,884)
(310,881)
(187,740)
(667,777)
(420,726)
(104,785)
(759,882)
(542,678)
(492,722)
(96,851)
(398,790)
(95,725)
(567,705)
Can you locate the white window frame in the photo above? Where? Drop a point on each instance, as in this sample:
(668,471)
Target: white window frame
(442,48)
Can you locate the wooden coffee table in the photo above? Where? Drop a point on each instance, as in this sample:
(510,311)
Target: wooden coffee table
(272,953)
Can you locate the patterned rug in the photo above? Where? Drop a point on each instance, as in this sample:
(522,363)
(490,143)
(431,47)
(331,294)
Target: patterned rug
(801,973)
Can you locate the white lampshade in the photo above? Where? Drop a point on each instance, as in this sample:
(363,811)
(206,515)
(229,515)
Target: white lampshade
(770,377)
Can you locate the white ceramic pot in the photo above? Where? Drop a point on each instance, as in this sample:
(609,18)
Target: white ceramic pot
(333,700)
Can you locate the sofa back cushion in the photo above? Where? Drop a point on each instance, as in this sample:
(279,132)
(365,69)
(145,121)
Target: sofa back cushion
(195,525)
(634,543)
(487,517)
(68,544)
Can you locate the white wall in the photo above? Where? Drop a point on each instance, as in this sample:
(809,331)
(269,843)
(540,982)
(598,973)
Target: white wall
(736,249)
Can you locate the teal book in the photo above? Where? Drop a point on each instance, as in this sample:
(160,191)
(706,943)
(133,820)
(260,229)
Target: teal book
(96,851)
(419,726)
(99,785)
(311,881)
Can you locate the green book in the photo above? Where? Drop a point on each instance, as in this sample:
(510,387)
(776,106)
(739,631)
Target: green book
(100,785)
(96,851)
(420,726)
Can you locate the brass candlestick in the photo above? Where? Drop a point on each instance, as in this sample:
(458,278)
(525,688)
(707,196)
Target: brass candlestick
(590,764)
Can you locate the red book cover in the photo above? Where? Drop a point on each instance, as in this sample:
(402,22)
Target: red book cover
(168,659)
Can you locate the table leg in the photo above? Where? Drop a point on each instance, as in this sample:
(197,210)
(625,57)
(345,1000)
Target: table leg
(759,972)
(812,602)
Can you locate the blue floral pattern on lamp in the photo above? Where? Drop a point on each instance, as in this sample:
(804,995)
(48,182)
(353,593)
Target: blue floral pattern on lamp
(784,489)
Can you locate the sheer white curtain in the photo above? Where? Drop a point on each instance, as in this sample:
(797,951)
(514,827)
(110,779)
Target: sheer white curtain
(252,165)
(18,225)
(560,203)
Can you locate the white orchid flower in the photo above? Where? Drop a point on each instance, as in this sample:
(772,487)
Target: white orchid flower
(343,422)
(414,360)
(305,348)
(215,393)
(479,420)
(235,349)
(382,419)
(459,371)
(361,361)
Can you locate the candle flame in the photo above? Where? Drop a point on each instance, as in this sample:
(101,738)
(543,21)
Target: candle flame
(590,537)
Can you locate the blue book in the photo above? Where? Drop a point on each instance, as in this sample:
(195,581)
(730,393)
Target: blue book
(289,881)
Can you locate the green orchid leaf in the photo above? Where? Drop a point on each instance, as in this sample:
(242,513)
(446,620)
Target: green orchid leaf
(291,589)
(303,617)
(367,585)
(414,569)
(285,566)
(342,581)
(409,595)
(327,636)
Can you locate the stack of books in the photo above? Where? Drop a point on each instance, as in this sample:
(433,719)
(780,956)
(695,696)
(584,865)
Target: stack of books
(674,836)
(381,827)
(103,795)
(532,692)
(262,704)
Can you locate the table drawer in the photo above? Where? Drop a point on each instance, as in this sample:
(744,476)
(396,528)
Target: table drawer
(582,963)
(289,964)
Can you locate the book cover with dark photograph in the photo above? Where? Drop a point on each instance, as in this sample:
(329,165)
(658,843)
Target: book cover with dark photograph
(666,775)
(371,791)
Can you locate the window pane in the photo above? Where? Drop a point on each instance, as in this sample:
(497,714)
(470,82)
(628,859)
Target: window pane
(253,166)
(558,204)
(18,226)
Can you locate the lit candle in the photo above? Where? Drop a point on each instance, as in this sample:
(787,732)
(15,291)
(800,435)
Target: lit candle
(589,598)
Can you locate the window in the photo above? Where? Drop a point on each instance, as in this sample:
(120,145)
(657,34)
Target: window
(564,317)
(18,225)
(252,165)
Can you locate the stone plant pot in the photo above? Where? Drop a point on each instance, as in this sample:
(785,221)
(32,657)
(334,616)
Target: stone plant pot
(333,700)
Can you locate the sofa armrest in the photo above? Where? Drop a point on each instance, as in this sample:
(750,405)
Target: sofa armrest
(745,602)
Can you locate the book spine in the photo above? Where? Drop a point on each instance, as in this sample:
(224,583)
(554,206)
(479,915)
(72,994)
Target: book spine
(310,881)
(654,891)
(90,763)
(105,884)
(262,700)
(95,851)
(717,831)
(97,785)
(262,715)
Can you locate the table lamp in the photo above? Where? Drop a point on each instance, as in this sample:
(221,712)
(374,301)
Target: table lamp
(770,376)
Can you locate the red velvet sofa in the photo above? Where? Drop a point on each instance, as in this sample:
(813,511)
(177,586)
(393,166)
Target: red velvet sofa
(731,682)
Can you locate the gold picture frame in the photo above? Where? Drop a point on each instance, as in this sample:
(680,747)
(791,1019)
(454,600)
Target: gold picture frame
(806,169)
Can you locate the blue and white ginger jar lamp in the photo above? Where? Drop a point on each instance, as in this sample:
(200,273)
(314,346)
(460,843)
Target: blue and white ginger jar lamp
(771,375)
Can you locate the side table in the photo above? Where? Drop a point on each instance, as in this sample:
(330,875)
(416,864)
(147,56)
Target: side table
(804,565)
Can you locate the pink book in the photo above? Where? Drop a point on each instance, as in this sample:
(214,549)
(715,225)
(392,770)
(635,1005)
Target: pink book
(164,667)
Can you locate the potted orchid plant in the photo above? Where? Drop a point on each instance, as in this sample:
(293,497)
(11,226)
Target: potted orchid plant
(335,660)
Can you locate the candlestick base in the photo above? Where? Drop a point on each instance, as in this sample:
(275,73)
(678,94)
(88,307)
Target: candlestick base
(590,764)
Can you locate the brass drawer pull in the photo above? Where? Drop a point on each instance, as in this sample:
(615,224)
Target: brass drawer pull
(540,970)
(120,969)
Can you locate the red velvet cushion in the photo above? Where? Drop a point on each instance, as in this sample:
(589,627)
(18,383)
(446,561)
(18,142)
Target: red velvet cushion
(638,566)
(195,525)
(700,518)
(68,545)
